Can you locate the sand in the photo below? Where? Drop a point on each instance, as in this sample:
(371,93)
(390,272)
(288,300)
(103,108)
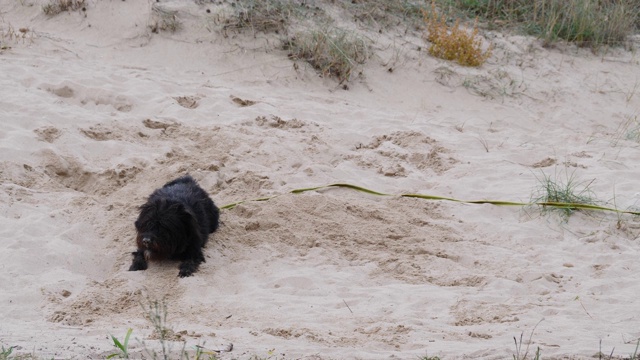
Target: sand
(97,111)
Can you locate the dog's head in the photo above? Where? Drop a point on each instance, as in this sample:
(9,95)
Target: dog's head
(164,228)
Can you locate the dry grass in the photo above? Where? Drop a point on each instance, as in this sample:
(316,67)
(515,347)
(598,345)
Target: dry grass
(333,51)
(8,35)
(273,16)
(586,22)
(55,7)
(164,20)
(454,43)
(629,129)
(384,14)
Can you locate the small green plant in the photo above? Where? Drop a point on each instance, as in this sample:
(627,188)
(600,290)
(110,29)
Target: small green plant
(333,52)
(55,7)
(563,194)
(5,352)
(123,347)
(454,43)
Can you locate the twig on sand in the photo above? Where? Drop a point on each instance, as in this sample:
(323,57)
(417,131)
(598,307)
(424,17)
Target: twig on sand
(347,306)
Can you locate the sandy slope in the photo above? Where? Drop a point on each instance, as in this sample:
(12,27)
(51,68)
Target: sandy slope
(96,112)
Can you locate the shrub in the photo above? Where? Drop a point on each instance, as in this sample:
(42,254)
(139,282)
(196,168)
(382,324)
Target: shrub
(454,43)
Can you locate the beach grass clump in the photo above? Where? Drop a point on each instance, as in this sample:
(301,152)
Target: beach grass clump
(561,194)
(333,52)
(586,22)
(55,7)
(453,42)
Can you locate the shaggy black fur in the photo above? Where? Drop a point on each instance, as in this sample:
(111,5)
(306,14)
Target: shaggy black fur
(175,224)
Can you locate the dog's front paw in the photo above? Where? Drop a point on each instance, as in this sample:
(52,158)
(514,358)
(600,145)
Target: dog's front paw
(139,262)
(138,266)
(187,269)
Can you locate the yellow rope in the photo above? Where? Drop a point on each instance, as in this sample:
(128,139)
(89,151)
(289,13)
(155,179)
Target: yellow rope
(559,205)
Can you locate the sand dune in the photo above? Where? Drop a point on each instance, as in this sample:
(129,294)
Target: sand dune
(97,111)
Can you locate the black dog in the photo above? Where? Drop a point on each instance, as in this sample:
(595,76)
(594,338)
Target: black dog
(175,224)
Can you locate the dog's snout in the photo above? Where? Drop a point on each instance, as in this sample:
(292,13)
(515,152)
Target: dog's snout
(146,240)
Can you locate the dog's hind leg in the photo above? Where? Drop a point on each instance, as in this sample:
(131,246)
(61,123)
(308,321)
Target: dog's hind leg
(213,215)
(139,262)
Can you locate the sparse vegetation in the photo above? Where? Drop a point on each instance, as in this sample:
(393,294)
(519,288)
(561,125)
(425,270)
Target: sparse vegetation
(629,129)
(633,129)
(164,20)
(9,34)
(264,16)
(156,312)
(563,193)
(333,51)
(452,42)
(55,7)
(426,357)
(383,14)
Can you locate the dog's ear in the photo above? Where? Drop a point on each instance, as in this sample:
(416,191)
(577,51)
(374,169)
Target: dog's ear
(153,205)
(188,212)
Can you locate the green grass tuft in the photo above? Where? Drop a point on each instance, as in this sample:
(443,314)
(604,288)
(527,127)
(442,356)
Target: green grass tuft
(567,190)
